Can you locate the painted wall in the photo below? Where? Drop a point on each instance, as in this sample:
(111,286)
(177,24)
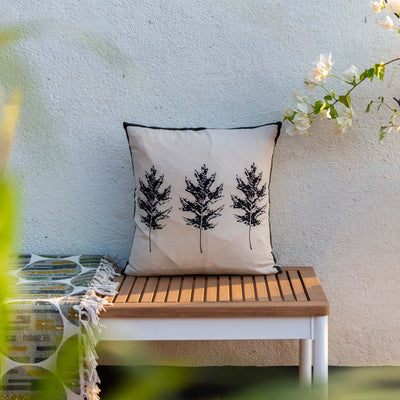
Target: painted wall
(219,63)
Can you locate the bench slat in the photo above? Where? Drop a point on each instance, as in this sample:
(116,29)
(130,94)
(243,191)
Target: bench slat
(212,289)
(187,289)
(199,289)
(261,288)
(297,286)
(273,288)
(236,288)
(160,293)
(124,290)
(286,288)
(137,289)
(174,289)
(248,288)
(148,292)
(312,285)
(224,290)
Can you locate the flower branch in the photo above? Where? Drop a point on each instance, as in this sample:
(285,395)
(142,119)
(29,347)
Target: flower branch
(337,107)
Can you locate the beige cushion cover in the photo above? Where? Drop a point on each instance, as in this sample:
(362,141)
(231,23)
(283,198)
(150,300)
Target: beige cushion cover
(175,245)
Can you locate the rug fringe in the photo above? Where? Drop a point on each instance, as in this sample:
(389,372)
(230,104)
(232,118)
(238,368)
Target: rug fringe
(90,307)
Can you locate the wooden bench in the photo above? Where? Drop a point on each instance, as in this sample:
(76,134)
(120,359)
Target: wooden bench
(291,305)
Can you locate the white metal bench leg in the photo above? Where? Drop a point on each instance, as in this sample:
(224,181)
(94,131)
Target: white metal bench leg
(305,364)
(321,354)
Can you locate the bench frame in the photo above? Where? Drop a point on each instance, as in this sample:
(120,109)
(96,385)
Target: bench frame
(286,314)
(311,331)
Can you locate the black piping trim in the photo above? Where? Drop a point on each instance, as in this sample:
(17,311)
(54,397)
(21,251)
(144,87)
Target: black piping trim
(278,268)
(269,192)
(126,124)
(134,196)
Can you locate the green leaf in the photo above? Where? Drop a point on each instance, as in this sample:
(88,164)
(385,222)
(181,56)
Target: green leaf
(363,75)
(381,98)
(345,100)
(333,112)
(317,107)
(371,73)
(290,117)
(368,109)
(394,115)
(379,70)
(332,93)
(382,132)
(328,97)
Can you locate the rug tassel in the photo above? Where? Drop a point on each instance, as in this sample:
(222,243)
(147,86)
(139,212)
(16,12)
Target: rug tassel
(89,309)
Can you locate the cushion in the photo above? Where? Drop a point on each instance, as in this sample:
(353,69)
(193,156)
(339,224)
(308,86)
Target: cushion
(201,200)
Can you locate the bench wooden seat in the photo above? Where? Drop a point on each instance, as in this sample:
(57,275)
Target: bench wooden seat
(291,305)
(296,292)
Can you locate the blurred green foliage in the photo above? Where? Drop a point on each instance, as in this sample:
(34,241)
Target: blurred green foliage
(7,245)
(9,116)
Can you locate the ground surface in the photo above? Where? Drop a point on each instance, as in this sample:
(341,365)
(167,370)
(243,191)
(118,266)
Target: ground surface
(198,383)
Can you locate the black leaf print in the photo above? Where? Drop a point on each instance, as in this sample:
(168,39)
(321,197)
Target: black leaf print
(204,198)
(253,194)
(155,197)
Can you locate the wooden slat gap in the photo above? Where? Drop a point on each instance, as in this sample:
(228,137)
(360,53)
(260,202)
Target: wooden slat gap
(180,290)
(130,290)
(204,287)
(167,291)
(267,286)
(304,286)
(255,287)
(144,288)
(242,282)
(291,286)
(192,292)
(279,287)
(153,293)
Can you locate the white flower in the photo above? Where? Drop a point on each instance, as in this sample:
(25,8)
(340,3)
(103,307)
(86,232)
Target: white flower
(315,76)
(351,73)
(321,71)
(376,6)
(303,108)
(393,6)
(326,113)
(387,24)
(326,61)
(299,96)
(291,129)
(301,121)
(344,119)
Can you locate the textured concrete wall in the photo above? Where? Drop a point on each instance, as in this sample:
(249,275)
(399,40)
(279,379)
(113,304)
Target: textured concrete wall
(219,63)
